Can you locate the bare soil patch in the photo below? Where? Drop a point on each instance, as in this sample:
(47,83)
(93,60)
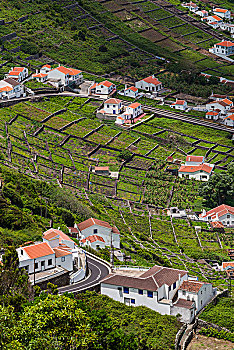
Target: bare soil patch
(200,342)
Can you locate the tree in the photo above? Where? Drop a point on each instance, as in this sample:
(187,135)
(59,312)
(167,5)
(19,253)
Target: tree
(125,155)
(220,188)
(15,288)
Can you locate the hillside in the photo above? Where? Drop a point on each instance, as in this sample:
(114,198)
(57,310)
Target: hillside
(122,36)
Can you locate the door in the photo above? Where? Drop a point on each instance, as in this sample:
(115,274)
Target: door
(43,265)
(127,301)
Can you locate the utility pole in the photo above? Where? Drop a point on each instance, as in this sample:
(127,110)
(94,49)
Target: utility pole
(34,277)
(111,252)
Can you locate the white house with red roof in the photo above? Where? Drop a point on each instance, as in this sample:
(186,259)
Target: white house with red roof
(133,110)
(220,106)
(103,88)
(191,6)
(224,13)
(131,91)
(93,241)
(202,13)
(150,84)
(199,292)
(194,160)
(159,289)
(223,213)
(112,106)
(180,104)
(213,115)
(229,121)
(41,77)
(64,76)
(198,172)
(224,48)
(45,69)
(18,73)
(11,88)
(91,227)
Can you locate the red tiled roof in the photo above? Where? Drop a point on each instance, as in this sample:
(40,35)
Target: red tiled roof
(217,18)
(212,113)
(59,233)
(51,235)
(220,10)
(152,80)
(46,66)
(90,222)
(93,238)
(134,105)
(133,88)
(230,117)
(187,304)
(191,286)
(115,230)
(19,69)
(225,43)
(220,211)
(194,168)
(73,229)
(149,280)
(179,102)
(39,75)
(217,224)
(225,265)
(38,250)
(114,101)
(14,73)
(102,168)
(6,88)
(61,252)
(227,101)
(106,83)
(198,159)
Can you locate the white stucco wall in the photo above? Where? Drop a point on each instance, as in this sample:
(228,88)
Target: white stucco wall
(200,298)
(52,242)
(143,85)
(152,303)
(112,108)
(66,262)
(103,232)
(200,175)
(25,261)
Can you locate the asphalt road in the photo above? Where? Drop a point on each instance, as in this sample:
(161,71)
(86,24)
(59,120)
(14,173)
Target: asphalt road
(97,271)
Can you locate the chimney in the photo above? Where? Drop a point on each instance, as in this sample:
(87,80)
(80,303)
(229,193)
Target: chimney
(153,76)
(125,86)
(36,71)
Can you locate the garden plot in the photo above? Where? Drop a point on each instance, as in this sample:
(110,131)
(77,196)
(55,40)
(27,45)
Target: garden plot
(75,103)
(22,162)
(209,240)
(75,178)
(20,125)
(83,148)
(107,157)
(123,140)
(153,35)
(61,120)
(142,147)
(51,136)
(83,127)
(139,163)
(29,110)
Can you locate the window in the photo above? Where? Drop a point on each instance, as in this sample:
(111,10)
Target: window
(201,291)
(50,262)
(192,313)
(107,106)
(133,301)
(26,267)
(169,288)
(149,294)
(140,291)
(184,292)
(36,265)
(201,302)
(95,230)
(228,216)
(63,258)
(126,290)
(188,297)
(174,285)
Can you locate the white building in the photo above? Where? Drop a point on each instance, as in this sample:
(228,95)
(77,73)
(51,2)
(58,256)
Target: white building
(221,106)
(10,88)
(41,77)
(198,172)
(93,241)
(18,73)
(131,91)
(213,115)
(150,84)
(45,69)
(199,292)
(223,213)
(229,121)
(202,13)
(155,288)
(64,76)
(109,234)
(112,106)
(191,6)
(179,104)
(194,160)
(227,26)
(103,88)
(224,13)
(224,48)
(133,110)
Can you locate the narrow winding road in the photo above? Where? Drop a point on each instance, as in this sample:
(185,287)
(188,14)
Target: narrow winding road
(97,271)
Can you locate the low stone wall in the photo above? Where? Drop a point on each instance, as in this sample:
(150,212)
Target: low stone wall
(60,281)
(179,336)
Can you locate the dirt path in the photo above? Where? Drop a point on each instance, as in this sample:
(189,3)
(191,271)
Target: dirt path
(206,343)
